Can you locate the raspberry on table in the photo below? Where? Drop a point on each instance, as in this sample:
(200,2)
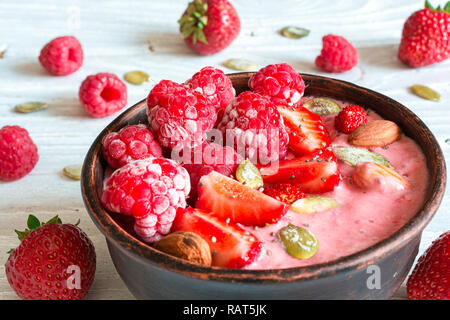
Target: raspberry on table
(103,94)
(337,55)
(132,142)
(280,82)
(62,56)
(18,153)
(214,85)
(252,125)
(150,190)
(350,118)
(179,116)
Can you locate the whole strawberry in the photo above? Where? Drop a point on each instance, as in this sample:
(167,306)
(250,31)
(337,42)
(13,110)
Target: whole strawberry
(209,26)
(430,279)
(54,261)
(426,37)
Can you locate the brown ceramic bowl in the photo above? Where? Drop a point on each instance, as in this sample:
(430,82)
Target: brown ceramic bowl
(151,274)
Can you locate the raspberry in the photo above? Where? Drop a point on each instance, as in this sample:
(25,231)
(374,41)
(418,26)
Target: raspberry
(254,127)
(280,82)
(285,192)
(150,190)
(62,56)
(179,116)
(18,153)
(337,55)
(132,142)
(214,85)
(103,94)
(350,118)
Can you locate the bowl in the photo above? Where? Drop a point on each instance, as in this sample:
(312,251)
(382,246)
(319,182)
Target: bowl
(373,273)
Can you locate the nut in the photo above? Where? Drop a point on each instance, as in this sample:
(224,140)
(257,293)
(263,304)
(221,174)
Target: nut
(378,133)
(370,175)
(186,245)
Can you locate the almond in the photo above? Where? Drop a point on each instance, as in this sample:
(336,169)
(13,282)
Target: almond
(378,133)
(186,245)
(369,175)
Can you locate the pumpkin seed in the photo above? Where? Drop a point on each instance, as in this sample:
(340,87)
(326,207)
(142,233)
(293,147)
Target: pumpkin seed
(28,107)
(314,204)
(240,64)
(249,175)
(73,171)
(298,242)
(353,156)
(136,77)
(425,92)
(294,32)
(322,106)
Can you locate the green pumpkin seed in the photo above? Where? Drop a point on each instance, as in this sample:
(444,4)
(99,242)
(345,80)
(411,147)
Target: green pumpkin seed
(248,174)
(136,77)
(299,242)
(425,92)
(322,106)
(353,156)
(294,32)
(28,107)
(314,204)
(240,64)
(73,171)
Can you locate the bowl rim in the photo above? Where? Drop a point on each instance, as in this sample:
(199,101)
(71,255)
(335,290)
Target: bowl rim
(358,260)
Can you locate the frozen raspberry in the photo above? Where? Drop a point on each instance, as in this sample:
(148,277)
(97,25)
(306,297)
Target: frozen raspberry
(179,116)
(280,82)
(150,190)
(254,127)
(132,142)
(214,85)
(62,56)
(350,118)
(103,94)
(337,55)
(18,153)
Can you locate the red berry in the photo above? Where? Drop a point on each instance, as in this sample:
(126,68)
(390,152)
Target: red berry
(179,116)
(231,245)
(337,55)
(209,26)
(425,38)
(306,130)
(280,82)
(232,201)
(430,279)
(254,127)
(18,153)
(103,94)
(350,118)
(284,192)
(150,190)
(314,173)
(132,142)
(62,56)
(214,85)
(48,261)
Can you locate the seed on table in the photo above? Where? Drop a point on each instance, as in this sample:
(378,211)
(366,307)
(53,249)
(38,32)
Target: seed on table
(32,106)
(136,77)
(425,92)
(240,64)
(294,32)
(73,171)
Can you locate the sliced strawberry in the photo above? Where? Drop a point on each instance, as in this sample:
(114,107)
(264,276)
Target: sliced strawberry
(307,133)
(237,203)
(314,173)
(285,192)
(231,245)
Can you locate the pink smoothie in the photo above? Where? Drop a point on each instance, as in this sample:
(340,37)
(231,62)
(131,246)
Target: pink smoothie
(363,218)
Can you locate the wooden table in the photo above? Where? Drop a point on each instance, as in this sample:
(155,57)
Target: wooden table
(120,36)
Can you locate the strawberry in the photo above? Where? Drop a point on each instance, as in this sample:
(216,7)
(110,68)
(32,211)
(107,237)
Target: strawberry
(430,279)
(314,173)
(209,26)
(231,245)
(54,261)
(233,201)
(306,130)
(285,192)
(426,36)
(350,118)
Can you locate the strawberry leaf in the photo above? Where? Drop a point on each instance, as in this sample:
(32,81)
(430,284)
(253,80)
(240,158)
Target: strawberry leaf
(447,7)
(33,222)
(54,220)
(428,5)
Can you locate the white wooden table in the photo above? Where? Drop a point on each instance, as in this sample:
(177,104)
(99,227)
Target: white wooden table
(120,36)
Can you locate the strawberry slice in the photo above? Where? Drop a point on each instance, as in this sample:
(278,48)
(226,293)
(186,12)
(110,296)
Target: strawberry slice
(307,133)
(314,173)
(231,245)
(237,203)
